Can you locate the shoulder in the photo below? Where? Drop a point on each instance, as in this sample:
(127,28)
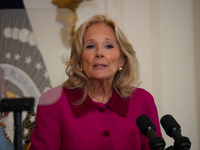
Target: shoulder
(55,94)
(140,92)
(145,99)
(51,96)
(142,97)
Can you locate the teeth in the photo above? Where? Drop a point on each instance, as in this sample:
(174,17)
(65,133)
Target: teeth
(99,66)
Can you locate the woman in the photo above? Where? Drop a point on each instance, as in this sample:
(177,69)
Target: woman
(98,105)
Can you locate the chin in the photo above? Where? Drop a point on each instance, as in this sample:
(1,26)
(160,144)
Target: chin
(103,78)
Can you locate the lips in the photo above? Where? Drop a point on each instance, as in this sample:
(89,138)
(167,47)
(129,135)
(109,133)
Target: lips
(100,65)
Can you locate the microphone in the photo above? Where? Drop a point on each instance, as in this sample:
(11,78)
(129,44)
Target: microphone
(147,128)
(173,129)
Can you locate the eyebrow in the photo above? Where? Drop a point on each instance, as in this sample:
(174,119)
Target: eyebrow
(89,40)
(109,40)
(106,39)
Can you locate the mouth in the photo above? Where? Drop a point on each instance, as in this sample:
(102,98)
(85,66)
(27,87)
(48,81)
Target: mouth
(100,66)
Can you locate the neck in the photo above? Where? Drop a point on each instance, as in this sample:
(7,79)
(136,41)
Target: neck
(100,91)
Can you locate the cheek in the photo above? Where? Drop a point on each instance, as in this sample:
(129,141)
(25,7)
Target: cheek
(86,59)
(115,60)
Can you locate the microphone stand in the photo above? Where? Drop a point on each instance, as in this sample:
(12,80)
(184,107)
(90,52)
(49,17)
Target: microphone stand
(157,143)
(181,143)
(173,148)
(17,105)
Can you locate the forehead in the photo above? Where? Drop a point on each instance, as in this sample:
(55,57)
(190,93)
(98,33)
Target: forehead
(99,29)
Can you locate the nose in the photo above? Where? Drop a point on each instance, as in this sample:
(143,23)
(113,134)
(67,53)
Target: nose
(99,52)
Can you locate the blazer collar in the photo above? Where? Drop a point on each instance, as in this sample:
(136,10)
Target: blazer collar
(116,103)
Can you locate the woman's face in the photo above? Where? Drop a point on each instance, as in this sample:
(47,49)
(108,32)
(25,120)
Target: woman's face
(101,55)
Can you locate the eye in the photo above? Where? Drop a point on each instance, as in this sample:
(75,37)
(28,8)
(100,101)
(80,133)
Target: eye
(109,46)
(90,47)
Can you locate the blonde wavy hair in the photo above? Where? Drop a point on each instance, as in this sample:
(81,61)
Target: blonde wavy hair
(125,82)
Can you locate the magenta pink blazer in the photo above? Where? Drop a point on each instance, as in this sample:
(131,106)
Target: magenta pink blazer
(61,125)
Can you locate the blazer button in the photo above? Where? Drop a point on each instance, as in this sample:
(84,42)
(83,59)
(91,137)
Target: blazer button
(101,109)
(106,133)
